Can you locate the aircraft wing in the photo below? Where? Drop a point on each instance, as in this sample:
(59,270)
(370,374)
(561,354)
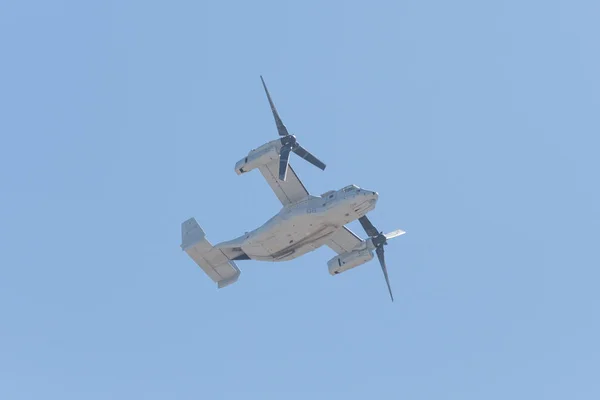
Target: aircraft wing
(343,240)
(289,191)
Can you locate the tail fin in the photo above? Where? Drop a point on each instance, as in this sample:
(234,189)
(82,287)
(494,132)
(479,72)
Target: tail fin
(212,260)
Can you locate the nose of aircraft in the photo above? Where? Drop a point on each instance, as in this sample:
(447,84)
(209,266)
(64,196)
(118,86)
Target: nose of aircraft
(364,201)
(370,194)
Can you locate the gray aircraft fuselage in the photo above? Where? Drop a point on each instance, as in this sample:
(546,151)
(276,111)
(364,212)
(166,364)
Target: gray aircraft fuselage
(304,226)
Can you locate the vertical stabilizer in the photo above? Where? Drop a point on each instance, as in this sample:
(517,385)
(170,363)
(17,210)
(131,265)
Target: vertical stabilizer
(212,261)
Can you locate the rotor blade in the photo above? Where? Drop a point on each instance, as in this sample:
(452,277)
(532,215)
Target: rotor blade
(379,252)
(280,126)
(368,226)
(284,156)
(394,234)
(302,152)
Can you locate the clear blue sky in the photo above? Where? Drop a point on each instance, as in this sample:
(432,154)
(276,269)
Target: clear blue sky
(477,122)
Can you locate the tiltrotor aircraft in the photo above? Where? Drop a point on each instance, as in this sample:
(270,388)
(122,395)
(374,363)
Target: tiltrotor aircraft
(304,223)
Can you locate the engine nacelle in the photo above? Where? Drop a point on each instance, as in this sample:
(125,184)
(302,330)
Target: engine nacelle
(346,261)
(259,157)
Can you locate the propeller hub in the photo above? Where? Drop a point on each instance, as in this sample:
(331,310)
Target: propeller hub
(288,140)
(379,240)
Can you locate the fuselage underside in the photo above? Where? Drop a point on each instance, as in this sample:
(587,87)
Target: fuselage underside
(303,226)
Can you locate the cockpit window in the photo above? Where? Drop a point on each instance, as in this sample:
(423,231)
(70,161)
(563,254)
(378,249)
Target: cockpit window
(350,188)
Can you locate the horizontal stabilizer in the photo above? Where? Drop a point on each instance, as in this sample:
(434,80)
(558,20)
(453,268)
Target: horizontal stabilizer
(212,260)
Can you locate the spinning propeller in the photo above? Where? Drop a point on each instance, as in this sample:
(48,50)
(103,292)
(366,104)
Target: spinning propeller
(289,143)
(379,239)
